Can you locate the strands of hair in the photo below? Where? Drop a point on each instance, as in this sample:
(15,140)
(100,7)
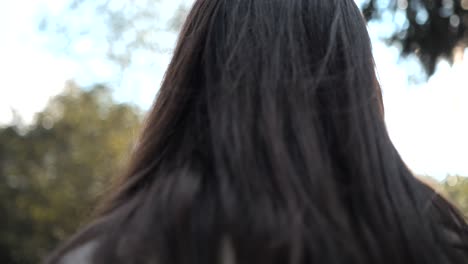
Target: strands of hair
(267,144)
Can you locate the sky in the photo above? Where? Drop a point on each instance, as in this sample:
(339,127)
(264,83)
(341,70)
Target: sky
(426,120)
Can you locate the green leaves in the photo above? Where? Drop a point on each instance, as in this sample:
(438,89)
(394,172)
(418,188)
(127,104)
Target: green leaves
(431,29)
(52,173)
(456,188)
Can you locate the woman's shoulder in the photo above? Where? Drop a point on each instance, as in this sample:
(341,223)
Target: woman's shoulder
(80,255)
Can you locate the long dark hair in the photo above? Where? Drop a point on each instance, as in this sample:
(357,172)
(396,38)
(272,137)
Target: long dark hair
(267,144)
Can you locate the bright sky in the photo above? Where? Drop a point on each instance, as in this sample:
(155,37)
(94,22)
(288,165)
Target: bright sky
(426,121)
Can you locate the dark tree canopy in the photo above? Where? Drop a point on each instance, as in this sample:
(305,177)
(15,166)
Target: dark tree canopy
(53,171)
(433,28)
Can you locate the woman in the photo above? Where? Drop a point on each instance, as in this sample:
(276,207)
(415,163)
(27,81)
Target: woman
(267,144)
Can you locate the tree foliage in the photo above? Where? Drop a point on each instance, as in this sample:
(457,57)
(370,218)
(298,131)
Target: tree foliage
(126,27)
(456,188)
(431,29)
(52,172)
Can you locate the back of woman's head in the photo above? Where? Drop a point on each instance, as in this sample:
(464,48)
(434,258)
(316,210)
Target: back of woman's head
(267,144)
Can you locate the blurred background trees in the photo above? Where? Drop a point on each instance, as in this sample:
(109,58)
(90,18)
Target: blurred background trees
(53,170)
(456,188)
(432,29)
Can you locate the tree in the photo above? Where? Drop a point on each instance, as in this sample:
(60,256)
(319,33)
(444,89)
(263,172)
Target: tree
(52,173)
(431,29)
(456,188)
(129,26)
